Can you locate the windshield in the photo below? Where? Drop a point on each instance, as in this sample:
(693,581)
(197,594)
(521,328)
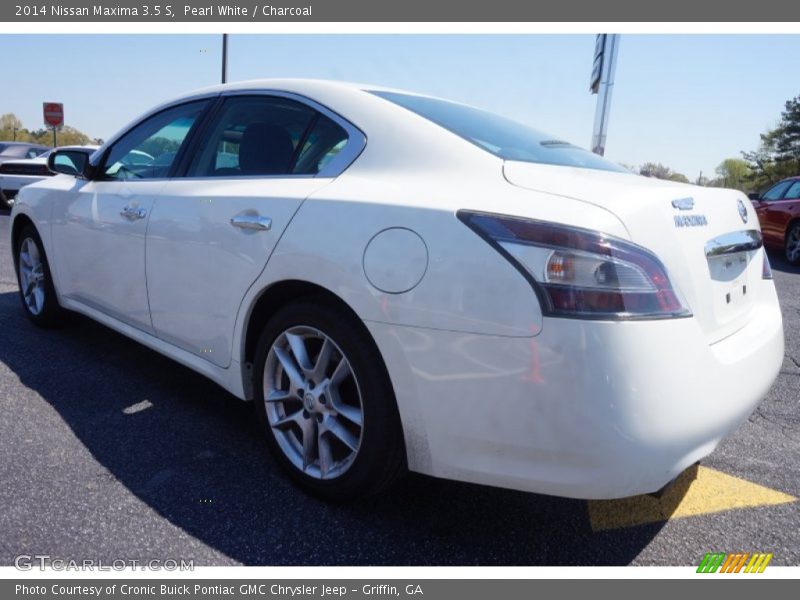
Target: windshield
(502,137)
(15,150)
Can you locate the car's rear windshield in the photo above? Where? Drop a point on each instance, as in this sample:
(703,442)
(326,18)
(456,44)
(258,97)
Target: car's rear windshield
(14,150)
(502,137)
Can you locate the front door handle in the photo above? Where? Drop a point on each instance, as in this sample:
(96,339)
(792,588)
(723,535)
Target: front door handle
(255,222)
(133,213)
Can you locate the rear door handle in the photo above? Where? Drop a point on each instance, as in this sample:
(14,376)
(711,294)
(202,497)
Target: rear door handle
(255,222)
(132,213)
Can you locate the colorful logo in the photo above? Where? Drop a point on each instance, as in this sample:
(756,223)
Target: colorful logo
(744,562)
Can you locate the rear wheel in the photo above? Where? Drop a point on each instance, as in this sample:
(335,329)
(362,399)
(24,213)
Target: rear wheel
(35,282)
(325,401)
(5,201)
(792,248)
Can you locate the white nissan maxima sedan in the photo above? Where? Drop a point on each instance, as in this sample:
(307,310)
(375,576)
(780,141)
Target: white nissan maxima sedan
(403,282)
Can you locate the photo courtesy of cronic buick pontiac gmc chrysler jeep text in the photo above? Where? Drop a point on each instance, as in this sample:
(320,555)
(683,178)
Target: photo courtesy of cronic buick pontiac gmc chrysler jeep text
(403,282)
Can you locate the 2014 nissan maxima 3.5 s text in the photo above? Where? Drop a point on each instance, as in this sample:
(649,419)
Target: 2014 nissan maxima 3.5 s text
(403,282)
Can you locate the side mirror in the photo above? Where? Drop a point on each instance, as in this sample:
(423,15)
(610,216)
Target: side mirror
(70,162)
(755,196)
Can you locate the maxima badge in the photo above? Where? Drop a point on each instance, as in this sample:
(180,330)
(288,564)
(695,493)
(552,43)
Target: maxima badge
(690,220)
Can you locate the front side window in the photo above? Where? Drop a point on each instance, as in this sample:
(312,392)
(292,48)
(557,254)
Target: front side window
(776,191)
(265,135)
(149,149)
(502,137)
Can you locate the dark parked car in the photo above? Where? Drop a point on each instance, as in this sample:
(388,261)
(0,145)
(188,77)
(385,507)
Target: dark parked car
(778,211)
(16,174)
(15,150)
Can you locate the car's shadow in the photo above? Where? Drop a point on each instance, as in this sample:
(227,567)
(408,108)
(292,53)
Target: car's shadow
(779,263)
(194,454)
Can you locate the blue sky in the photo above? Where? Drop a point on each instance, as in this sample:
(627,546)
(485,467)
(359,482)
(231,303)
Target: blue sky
(687,101)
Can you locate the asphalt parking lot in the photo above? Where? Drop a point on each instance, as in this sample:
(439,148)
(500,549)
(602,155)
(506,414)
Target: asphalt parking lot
(111,451)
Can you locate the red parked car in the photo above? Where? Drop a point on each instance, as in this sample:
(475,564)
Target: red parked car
(778,211)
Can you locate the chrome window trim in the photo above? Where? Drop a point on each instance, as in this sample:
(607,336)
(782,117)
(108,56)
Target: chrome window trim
(356,139)
(99,154)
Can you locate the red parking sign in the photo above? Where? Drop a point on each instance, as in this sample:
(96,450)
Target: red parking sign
(53,114)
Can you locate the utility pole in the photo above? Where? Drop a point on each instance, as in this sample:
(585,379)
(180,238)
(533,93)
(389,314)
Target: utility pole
(224,58)
(602,84)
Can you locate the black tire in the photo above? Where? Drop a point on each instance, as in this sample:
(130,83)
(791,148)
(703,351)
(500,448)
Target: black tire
(51,313)
(5,203)
(792,239)
(380,457)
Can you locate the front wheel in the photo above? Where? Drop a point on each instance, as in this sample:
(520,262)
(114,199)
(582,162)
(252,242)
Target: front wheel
(792,247)
(326,404)
(35,282)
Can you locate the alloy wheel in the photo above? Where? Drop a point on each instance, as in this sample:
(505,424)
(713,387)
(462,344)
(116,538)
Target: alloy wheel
(313,402)
(31,275)
(793,245)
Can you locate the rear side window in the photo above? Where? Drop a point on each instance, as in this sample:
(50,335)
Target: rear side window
(502,137)
(265,135)
(324,141)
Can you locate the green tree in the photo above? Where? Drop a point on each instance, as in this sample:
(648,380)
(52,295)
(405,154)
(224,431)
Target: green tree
(659,171)
(10,127)
(778,154)
(734,173)
(67,136)
(680,177)
(787,136)
(157,146)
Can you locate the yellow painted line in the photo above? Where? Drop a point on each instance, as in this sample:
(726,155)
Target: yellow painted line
(767,558)
(698,491)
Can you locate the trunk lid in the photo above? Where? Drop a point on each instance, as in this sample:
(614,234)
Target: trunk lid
(681,224)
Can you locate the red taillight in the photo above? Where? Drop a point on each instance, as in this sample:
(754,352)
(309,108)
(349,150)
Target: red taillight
(582,273)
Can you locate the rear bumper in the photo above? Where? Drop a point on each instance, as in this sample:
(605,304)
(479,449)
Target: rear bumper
(585,409)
